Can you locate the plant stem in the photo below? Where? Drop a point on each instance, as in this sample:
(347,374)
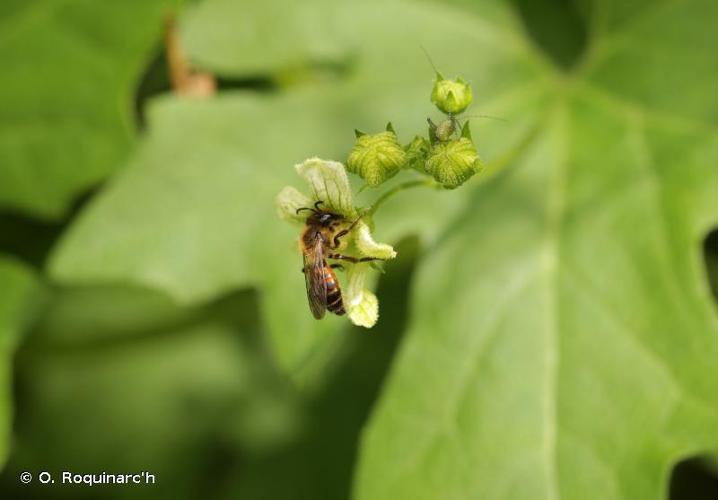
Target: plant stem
(398,188)
(183,78)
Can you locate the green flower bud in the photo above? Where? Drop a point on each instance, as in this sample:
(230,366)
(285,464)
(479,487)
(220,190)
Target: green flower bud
(417,151)
(376,157)
(451,96)
(453,163)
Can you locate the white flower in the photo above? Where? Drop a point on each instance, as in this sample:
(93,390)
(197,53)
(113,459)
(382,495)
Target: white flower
(328,182)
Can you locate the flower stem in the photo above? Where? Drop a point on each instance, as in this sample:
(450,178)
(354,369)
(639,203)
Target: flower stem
(398,188)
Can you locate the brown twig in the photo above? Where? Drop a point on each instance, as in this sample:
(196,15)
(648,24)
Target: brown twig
(184,80)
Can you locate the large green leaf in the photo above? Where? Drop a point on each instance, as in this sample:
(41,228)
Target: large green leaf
(562,334)
(122,379)
(66,100)
(18,291)
(563,338)
(193,215)
(259,38)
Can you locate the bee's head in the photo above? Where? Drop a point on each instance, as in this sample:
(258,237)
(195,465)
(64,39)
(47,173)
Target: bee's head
(325,219)
(321,217)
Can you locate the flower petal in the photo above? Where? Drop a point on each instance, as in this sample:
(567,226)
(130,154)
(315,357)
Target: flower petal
(366,245)
(329,183)
(288,201)
(362,305)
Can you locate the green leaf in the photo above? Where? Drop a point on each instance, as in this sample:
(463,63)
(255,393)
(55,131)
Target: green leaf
(257,38)
(563,339)
(18,293)
(123,377)
(66,95)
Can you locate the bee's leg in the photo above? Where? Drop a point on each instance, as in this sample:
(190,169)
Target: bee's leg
(333,266)
(338,256)
(344,232)
(339,235)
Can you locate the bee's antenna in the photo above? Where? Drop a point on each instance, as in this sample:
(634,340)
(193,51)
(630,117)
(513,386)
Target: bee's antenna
(315,209)
(428,58)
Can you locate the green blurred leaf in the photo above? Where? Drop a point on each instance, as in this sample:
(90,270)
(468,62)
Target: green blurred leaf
(193,215)
(66,100)
(563,338)
(123,380)
(18,293)
(319,464)
(243,39)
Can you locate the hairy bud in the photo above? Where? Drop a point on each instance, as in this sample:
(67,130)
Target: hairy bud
(376,157)
(417,151)
(453,163)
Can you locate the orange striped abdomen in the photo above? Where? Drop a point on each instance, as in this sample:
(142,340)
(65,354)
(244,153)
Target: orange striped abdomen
(334,293)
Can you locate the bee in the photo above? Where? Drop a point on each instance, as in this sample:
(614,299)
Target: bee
(322,233)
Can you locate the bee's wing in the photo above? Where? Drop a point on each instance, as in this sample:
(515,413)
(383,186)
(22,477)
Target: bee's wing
(314,278)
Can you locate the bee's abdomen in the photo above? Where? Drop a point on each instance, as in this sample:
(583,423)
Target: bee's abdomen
(334,293)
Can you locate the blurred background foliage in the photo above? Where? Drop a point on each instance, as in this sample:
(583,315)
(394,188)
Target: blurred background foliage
(557,334)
